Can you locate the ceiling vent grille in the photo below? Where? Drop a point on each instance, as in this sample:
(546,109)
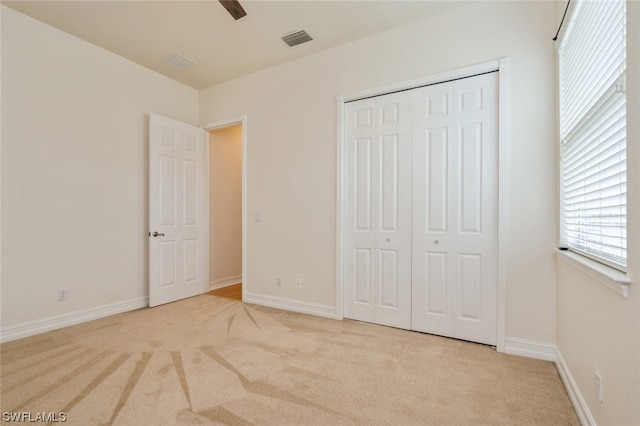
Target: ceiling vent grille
(297,38)
(179,61)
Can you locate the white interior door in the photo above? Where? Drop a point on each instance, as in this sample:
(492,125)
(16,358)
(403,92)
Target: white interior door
(177,252)
(378,197)
(455,209)
(421,203)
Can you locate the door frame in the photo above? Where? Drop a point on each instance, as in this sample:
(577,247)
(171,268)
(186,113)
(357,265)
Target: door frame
(500,65)
(208,127)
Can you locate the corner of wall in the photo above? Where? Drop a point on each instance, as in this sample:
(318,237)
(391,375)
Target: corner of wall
(579,404)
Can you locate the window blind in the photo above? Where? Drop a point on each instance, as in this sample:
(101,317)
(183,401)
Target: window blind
(592,64)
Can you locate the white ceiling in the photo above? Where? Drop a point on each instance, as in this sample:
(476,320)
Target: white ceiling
(202,31)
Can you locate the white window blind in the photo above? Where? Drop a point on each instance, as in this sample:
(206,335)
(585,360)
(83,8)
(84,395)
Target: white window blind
(592,61)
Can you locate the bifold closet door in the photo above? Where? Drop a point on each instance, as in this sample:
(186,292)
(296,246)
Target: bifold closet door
(378,210)
(421,206)
(455,209)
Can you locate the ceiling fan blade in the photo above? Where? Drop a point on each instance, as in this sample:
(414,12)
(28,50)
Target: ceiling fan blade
(234,8)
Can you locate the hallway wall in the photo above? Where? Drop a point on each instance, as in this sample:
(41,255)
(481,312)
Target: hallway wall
(225,211)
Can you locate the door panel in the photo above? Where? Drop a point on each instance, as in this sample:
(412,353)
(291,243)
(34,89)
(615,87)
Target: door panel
(378,202)
(390,184)
(469,273)
(363,185)
(435,179)
(166,190)
(190,251)
(389,278)
(465,279)
(190,188)
(177,263)
(362,279)
(470,175)
(435,273)
(167,263)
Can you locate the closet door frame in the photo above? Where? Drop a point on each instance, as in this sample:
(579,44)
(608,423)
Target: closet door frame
(501,66)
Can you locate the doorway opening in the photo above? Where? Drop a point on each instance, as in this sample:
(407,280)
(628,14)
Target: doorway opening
(226,177)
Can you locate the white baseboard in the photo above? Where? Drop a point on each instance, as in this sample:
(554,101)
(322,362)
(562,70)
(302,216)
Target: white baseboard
(530,349)
(225,282)
(291,305)
(30,328)
(579,404)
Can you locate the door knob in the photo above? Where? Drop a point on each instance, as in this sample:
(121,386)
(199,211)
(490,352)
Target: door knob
(156,234)
(437,242)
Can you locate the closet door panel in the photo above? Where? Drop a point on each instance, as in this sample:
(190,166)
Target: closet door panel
(378,210)
(455,205)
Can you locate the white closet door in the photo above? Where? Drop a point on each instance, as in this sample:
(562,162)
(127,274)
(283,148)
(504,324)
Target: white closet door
(378,206)
(455,209)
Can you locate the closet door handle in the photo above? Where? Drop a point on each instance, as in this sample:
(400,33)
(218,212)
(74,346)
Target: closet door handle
(156,234)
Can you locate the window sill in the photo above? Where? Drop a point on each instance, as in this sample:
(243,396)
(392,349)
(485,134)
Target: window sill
(611,278)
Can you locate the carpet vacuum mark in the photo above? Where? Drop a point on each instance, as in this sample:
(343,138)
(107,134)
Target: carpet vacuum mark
(208,360)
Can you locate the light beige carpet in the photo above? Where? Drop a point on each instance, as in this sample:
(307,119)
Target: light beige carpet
(210,360)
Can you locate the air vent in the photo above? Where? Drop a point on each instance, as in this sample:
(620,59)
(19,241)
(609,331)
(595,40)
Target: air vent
(179,61)
(297,38)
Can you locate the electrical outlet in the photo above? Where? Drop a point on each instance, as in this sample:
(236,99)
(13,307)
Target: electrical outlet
(298,283)
(62,295)
(278,281)
(599,387)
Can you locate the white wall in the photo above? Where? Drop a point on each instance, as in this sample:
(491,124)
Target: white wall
(74,170)
(291,152)
(74,176)
(225,212)
(597,329)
